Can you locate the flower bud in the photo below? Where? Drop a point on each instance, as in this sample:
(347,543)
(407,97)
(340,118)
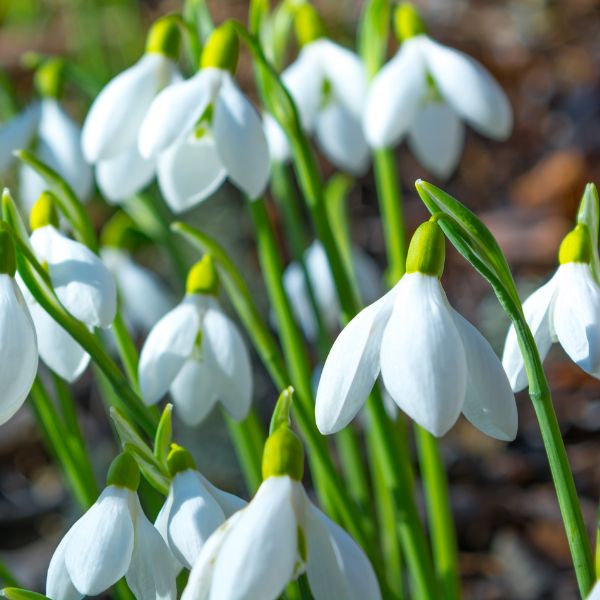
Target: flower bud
(308,24)
(124,472)
(203,277)
(407,22)
(43,212)
(222,49)
(164,38)
(283,454)
(427,250)
(576,246)
(179,460)
(8,259)
(48,78)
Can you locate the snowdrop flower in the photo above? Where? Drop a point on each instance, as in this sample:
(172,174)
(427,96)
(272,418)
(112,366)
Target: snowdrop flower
(113,539)
(566,310)
(425,92)
(321,279)
(277,537)
(18,345)
(197,354)
(204,130)
(329,86)
(46,129)
(193,510)
(434,363)
(81,282)
(111,129)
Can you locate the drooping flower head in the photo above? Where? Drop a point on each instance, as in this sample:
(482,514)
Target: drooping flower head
(280,535)
(204,130)
(425,92)
(197,353)
(433,362)
(113,539)
(328,83)
(564,310)
(111,128)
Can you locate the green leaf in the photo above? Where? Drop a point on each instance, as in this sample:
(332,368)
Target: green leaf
(13,593)
(588,214)
(164,436)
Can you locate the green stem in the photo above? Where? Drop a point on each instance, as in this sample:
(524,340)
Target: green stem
(6,576)
(127,350)
(443,536)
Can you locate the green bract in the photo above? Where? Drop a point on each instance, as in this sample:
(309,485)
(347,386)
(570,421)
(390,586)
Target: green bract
(407,22)
(124,472)
(308,24)
(576,247)
(179,460)
(44,212)
(203,277)
(222,49)
(427,252)
(164,38)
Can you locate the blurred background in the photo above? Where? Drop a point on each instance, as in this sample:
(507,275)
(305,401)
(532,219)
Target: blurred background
(546,55)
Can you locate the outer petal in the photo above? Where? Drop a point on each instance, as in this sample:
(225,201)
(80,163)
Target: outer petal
(112,125)
(124,175)
(166,349)
(150,575)
(58,583)
(258,555)
(490,403)
(340,136)
(469,89)
(18,349)
(225,348)
(229,503)
(352,366)
(537,309)
(189,172)
(101,542)
(436,138)
(194,516)
(395,96)
(240,140)
(423,362)
(175,111)
(17,133)
(82,282)
(162,526)
(576,316)
(337,567)
(279,148)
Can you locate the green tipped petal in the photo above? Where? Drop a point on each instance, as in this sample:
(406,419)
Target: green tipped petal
(222,49)
(179,460)
(203,277)
(427,250)
(576,247)
(164,38)
(124,472)
(407,22)
(308,24)
(44,212)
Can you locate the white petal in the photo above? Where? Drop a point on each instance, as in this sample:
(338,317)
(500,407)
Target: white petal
(189,172)
(101,542)
(167,347)
(113,122)
(352,366)
(395,95)
(490,403)
(124,175)
(595,593)
(323,284)
(340,136)
(469,89)
(224,347)
(162,526)
(537,309)
(150,576)
(576,316)
(279,148)
(295,287)
(422,357)
(229,503)
(194,516)
(258,555)
(436,138)
(58,583)
(82,283)
(240,140)
(18,349)
(175,111)
(337,567)
(194,391)
(16,134)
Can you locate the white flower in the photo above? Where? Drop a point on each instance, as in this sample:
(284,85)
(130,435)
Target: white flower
(55,140)
(18,348)
(111,128)
(566,310)
(198,354)
(193,510)
(367,274)
(424,93)
(329,86)
(279,535)
(204,130)
(113,539)
(434,363)
(144,299)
